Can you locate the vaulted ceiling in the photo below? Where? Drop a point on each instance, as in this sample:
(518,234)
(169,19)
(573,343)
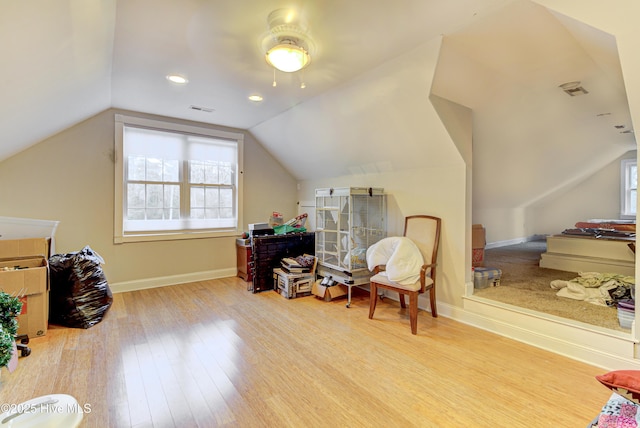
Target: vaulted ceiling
(66,60)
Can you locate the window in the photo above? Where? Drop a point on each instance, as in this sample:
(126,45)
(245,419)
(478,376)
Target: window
(175,181)
(629,188)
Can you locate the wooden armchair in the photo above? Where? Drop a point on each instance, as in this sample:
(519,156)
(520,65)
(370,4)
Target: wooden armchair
(424,231)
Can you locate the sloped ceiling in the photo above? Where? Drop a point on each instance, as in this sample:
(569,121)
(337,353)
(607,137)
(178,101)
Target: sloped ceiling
(66,60)
(56,67)
(525,126)
(70,59)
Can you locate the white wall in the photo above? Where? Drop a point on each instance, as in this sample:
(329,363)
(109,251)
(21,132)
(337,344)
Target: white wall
(70,177)
(439,186)
(433,191)
(598,196)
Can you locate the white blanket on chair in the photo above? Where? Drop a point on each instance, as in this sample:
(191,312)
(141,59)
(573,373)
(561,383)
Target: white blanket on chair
(401,256)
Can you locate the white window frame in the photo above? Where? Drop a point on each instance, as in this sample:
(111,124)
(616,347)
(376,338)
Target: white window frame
(627,209)
(120,235)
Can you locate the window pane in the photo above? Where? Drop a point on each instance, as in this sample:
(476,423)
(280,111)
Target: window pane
(211,173)
(205,202)
(135,214)
(136,168)
(226,198)
(633,177)
(172,214)
(211,212)
(633,202)
(155,196)
(172,202)
(154,169)
(135,196)
(211,198)
(197,197)
(205,171)
(226,173)
(171,170)
(154,213)
(197,213)
(196,172)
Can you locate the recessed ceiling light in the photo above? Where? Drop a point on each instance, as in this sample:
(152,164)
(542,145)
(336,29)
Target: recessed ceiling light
(255,98)
(176,78)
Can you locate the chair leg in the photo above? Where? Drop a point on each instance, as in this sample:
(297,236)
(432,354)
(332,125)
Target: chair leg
(402,303)
(413,312)
(373,298)
(432,299)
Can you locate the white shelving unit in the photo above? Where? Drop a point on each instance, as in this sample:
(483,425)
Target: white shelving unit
(348,221)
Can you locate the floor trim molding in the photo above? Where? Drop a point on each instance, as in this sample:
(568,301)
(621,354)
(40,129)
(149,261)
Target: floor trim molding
(163,281)
(608,349)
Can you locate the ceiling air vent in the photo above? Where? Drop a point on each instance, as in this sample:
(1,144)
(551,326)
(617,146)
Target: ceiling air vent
(200,108)
(573,89)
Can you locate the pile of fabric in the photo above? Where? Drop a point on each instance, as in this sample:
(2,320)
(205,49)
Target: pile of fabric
(605,289)
(400,255)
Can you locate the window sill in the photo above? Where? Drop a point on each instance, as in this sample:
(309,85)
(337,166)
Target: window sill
(173,236)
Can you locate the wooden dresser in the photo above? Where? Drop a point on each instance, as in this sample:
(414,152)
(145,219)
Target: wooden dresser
(244,258)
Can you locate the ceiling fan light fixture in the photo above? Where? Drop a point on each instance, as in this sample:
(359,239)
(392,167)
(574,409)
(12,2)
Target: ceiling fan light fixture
(287,45)
(288,57)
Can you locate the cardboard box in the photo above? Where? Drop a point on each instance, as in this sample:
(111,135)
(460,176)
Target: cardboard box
(28,278)
(25,247)
(478,242)
(328,293)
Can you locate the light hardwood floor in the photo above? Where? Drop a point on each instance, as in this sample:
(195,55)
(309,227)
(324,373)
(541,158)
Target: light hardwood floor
(211,354)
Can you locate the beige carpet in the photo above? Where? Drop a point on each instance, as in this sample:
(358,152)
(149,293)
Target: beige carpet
(527,285)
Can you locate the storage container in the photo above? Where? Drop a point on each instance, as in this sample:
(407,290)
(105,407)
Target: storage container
(626,313)
(292,285)
(485,277)
(625,317)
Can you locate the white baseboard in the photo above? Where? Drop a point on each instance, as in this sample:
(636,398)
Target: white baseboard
(141,284)
(608,349)
(600,347)
(498,244)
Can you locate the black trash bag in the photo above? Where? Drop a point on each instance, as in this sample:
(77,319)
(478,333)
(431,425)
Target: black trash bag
(79,295)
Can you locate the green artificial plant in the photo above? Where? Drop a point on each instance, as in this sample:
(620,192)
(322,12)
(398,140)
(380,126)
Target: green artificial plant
(10,308)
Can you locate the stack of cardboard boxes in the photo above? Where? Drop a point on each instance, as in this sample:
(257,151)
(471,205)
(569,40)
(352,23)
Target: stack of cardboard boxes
(24,272)
(478,242)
